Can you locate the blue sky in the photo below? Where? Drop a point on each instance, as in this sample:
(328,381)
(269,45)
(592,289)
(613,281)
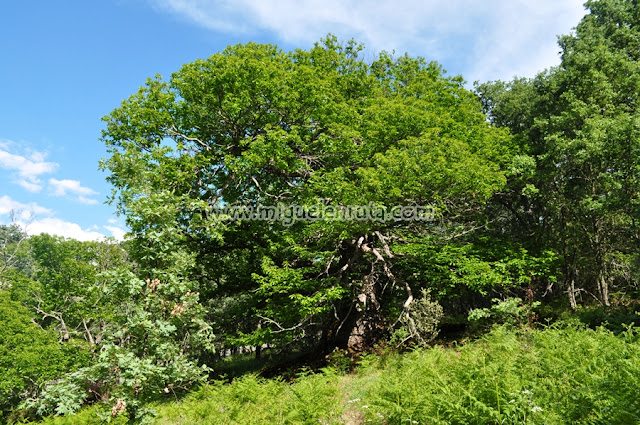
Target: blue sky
(64,65)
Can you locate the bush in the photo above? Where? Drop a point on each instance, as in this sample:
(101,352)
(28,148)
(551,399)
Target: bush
(420,321)
(511,311)
(571,375)
(142,360)
(29,357)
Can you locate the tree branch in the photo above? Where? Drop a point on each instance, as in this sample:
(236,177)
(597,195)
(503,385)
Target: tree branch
(174,132)
(282,328)
(64,331)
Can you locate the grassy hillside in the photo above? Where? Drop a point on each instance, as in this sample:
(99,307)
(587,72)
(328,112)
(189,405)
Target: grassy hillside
(549,376)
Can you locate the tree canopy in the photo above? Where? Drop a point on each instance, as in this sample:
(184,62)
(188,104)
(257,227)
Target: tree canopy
(255,127)
(577,125)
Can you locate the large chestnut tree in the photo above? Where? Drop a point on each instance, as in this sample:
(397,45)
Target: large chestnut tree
(255,126)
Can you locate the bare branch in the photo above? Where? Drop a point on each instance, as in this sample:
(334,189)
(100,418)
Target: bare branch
(387,271)
(174,132)
(383,240)
(64,331)
(89,336)
(282,328)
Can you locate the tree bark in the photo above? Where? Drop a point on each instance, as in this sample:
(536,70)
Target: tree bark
(571,290)
(369,320)
(599,243)
(603,288)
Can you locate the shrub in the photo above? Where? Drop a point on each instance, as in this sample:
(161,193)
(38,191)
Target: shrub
(421,319)
(29,357)
(511,311)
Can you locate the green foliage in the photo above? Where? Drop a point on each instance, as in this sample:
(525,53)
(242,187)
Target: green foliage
(254,126)
(421,319)
(145,358)
(309,400)
(550,376)
(553,376)
(92,415)
(549,207)
(14,252)
(470,268)
(617,319)
(29,356)
(510,311)
(145,333)
(71,296)
(574,187)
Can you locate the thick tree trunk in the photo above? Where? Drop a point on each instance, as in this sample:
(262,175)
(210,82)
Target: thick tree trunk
(369,321)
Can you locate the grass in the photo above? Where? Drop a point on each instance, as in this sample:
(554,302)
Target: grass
(311,399)
(556,375)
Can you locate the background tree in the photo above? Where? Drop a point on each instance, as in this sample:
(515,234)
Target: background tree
(14,252)
(72,297)
(577,185)
(29,356)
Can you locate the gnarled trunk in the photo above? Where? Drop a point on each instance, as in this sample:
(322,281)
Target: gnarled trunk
(369,321)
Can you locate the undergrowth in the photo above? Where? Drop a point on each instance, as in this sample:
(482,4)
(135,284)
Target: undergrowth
(553,376)
(556,375)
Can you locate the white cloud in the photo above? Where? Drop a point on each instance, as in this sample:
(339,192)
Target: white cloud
(72,187)
(523,39)
(28,167)
(87,201)
(23,212)
(30,185)
(116,232)
(202,12)
(63,187)
(56,226)
(491,40)
(27,217)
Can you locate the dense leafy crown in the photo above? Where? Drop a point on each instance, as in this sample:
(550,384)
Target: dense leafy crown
(255,126)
